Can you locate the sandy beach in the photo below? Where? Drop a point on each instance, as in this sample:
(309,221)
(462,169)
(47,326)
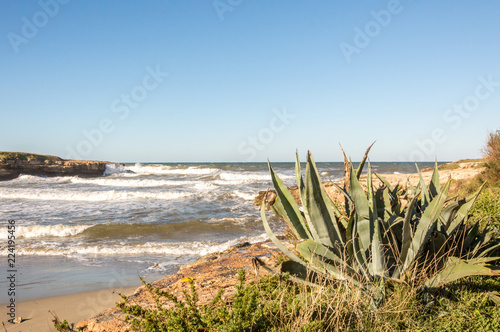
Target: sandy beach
(72,307)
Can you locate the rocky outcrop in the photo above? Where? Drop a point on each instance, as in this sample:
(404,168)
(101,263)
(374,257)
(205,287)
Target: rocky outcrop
(12,164)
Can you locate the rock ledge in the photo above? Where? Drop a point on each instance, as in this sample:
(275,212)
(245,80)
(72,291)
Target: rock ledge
(12,164)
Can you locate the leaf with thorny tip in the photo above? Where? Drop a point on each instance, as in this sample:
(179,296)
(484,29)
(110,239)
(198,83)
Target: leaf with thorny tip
(320,211)
(287,207)
(362,163)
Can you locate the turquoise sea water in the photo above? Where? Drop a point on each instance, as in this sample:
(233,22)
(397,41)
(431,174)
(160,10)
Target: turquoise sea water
(76,234)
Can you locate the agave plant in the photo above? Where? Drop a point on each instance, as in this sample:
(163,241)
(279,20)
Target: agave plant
(376,239)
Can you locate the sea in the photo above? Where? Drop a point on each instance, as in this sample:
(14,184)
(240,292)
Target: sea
(76,234)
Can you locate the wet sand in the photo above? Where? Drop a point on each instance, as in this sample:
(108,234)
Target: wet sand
(73,307)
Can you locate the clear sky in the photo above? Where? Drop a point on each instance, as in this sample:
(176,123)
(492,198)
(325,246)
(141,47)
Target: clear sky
(241,80)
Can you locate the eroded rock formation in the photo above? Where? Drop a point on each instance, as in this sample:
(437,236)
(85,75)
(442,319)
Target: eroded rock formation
(12,164)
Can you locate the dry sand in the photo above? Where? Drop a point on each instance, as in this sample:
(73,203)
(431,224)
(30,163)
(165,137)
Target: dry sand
(72,307)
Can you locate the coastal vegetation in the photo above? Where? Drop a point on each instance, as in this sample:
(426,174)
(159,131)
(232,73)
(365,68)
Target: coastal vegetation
(421,258)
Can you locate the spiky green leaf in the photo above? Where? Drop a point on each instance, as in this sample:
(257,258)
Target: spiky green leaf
(362,163)
(362,212)
(273,237)
(425,226)
(434,186)
(320,211)
(287,207)
(457,268)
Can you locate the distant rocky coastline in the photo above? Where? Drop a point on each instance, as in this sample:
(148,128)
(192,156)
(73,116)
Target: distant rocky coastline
(12,164)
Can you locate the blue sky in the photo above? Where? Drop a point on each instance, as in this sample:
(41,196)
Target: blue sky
(241,80)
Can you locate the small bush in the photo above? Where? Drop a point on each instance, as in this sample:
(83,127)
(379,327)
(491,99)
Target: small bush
(245,313)
(487,207)
(491,152)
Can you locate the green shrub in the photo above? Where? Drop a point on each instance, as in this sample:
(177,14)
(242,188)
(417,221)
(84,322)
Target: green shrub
(491,152)
(487,207)
(245,313)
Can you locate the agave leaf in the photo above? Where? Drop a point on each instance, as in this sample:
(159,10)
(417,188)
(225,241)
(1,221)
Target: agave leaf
(362,163)
(384,181)
(273,237)
(312,252)
(387,205)
(407,231)
(328,268)
(288,209)
(395,227)
(362,212)
(434,186)
(392,238)
(298,270)
(395,202)
(482,260)
(457,268)
(336,210)
(359,252)
(298,174)
(349,203)
(471,234)
(318,249)
(291,277)
(347,175)
(347,170)
(349,242)
(308,247)
(302,193)
(438,249)
(378,256)
(426,226)
(481,242)
(372,202)
(426,199)
(413,191)
(380,202)
(448,214)
(490,249)
(377,248)
(463,212)
(320,211)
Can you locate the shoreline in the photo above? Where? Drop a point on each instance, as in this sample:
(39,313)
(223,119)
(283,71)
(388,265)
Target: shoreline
(72,307)
(211,272)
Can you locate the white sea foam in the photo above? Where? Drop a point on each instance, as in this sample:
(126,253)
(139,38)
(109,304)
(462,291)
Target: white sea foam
(25,178)
(245,177)
(183,248)
(91,196)
(205,186)
(36,231)
(130,182)
(245,196)
(167,170)
(113,168)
